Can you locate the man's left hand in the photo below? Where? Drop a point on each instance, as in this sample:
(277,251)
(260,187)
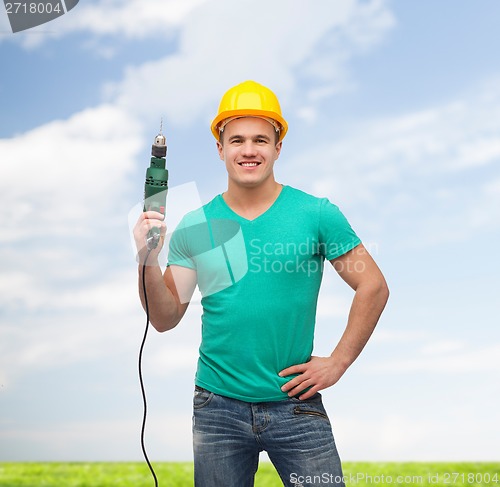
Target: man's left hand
(319,373)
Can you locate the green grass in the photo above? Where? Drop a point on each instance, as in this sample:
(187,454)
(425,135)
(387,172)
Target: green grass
(357,474)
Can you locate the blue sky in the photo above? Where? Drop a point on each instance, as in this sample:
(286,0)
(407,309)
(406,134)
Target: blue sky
(394,114)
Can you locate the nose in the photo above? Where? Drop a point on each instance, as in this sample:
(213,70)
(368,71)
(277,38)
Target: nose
(249,149)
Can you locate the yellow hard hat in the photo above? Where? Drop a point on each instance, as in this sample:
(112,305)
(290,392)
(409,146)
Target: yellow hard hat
(249,99)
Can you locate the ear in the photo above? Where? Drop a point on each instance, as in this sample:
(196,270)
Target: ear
(278,148)
(220,150)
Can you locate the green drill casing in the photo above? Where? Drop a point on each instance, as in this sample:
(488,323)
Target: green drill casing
(156,186)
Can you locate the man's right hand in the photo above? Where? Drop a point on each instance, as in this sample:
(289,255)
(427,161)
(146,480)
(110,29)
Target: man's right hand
(146,221)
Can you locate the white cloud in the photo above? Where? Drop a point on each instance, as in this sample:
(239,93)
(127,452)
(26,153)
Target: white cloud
(111,439)
(62,203)
(33,292)
(212,26)
(217,48)
(52,325)
(431,143)
(123,19)
(383,335)
(428,162)
(174,357)
(333,306)
(443,347)
(358,29)
(132,18)
(398,436)
(391,437)
(89,317)
(63,213)
(175,352)
(56,179)
(443,357)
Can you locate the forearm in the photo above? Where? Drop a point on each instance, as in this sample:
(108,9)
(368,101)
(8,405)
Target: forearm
(162,305)
(367,306)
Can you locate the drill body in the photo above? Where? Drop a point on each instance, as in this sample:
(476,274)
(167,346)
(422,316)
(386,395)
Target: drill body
(156,186)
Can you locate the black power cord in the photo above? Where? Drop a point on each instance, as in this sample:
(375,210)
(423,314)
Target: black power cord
(140,369)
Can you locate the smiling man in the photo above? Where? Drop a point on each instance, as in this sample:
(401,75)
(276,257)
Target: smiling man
(257,253)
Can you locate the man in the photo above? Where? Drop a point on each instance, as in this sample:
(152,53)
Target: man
(257,252)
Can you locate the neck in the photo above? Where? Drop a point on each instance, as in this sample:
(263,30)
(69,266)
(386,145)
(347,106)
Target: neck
(252,201)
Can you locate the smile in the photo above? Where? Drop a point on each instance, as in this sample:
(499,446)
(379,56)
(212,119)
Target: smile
(249,164)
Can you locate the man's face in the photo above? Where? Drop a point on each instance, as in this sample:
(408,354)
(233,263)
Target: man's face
(249,150)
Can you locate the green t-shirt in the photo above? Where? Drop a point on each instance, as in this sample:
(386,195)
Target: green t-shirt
(259,280)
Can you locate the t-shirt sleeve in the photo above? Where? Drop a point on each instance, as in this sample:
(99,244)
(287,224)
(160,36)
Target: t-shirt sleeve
(179,252)
(336,237)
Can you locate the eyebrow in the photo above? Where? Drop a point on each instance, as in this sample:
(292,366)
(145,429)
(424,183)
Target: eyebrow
(263,137)
(259,136)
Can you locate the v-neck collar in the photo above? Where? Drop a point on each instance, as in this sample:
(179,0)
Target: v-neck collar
(284,189)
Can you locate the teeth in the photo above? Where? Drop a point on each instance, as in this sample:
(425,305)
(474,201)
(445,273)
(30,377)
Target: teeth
(249,164)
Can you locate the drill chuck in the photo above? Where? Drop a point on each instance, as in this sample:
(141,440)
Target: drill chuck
(159,148)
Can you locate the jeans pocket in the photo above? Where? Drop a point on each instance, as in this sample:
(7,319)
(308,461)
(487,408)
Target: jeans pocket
(312,406)
(201,397)
(309,412)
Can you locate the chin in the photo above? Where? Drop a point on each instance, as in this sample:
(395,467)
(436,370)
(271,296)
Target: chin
(249,184)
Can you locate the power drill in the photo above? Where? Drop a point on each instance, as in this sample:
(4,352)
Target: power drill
(156,185)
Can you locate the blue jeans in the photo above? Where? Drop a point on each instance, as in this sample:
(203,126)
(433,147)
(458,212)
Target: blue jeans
(229,434)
